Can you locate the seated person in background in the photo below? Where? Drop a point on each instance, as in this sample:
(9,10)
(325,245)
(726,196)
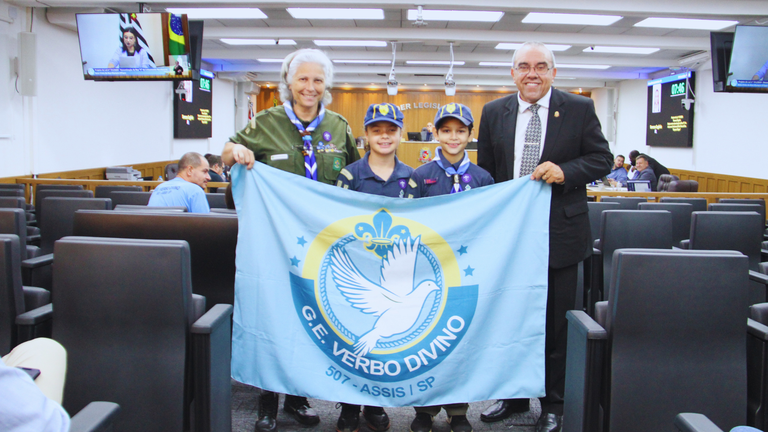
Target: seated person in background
(428,132)
(658,169)
(618,175)
(187,188)
(28,405)
(132,49)
(216,168)
(760,75)
(644,170)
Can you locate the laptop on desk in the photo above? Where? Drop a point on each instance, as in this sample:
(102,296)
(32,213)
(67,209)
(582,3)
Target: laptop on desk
(639,185)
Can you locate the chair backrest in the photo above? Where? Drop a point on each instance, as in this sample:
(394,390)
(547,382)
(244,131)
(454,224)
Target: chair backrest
(14,221)
(122,310)
(758,201)
(650,229)
(625,203)
(171,170)
(40,196)
(12,192)
(12,186)
(104,191)
(676,338)
(739,231)
(11,294)
(53,187)
(664,181)
(216,200)
(699,204)
(221,190)
(130,198)
(683,186)
(143,208)
(595,210)
(212,239)
(13,202)
(681,217)
(59,217)
(742,205)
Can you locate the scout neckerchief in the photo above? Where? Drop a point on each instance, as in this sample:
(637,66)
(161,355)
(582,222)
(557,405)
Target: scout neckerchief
(451,171)
(310,163)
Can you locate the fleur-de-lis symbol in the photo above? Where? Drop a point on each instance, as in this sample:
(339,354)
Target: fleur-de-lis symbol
(380,236)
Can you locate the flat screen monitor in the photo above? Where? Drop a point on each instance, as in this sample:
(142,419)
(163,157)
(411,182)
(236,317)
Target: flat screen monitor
(721,44)
(748,69)
(639,185)
(414,136)
(134,46)
(670,111)
(193,107)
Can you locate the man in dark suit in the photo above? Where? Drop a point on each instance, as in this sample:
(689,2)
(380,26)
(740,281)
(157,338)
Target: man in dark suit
(658,169)
(553,136)
(645,172)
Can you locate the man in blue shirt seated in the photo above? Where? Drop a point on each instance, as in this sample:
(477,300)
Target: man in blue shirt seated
(618,175)
(187,188)
(643,170)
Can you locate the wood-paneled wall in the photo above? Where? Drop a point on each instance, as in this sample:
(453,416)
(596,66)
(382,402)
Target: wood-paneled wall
(710,182)
(419,107)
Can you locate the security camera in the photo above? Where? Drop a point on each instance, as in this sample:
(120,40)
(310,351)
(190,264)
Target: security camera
(450,87)
(392,87)
(687,103)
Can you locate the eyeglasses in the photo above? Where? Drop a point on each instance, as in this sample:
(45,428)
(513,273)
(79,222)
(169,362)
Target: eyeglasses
(540,68)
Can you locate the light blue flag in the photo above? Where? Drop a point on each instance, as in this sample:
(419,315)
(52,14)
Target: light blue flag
(357,298)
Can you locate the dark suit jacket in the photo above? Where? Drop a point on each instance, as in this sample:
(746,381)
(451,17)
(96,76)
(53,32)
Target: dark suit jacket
(575,142)
(647,174)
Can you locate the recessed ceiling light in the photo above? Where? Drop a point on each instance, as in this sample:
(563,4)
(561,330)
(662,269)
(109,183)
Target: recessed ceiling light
(574,19)
(219,13)
(504,64)
(620,50)
(269,60)
(581,66)
(436,62)
(455,15)
(363,61)
(514,46)
(336,13)
(351,43)
(258,41)
(686,23)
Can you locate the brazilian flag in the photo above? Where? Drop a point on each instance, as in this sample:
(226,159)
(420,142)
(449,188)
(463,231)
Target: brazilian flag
(176,44)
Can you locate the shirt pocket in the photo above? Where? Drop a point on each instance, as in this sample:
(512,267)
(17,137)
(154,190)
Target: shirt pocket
(329,165)
(281,161)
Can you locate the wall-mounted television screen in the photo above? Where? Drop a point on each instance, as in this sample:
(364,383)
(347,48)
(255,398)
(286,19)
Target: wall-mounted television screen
(193,107)
(135,46)
(748,69)
(670,111)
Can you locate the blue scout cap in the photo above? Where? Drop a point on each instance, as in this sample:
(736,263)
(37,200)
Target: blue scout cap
(384,112)
(455,110)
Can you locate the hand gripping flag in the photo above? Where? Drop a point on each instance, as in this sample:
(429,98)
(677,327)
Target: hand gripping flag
(371,300)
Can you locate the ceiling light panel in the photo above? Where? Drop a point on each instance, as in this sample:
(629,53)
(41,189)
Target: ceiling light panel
(573,19)
(514,46)
(269,60)
(219,13)
(497,64)
(581,66)
(455,15)
(363,61)
(685,23)
(436,62)
(620,50)
(350,43)
(258,41)
(336,13)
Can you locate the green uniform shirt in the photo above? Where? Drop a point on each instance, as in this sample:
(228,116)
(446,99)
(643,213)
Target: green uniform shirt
(275,141)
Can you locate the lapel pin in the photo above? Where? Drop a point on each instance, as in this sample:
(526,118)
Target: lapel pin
(557,113)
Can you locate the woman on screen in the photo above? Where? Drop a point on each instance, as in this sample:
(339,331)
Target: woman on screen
(130,55)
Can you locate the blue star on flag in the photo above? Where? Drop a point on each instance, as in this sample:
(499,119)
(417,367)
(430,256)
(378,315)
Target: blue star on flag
(462,250)
(301,241)
(295,261)
(469,271)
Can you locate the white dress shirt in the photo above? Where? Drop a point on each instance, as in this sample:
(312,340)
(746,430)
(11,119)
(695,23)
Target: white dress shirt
(523,117)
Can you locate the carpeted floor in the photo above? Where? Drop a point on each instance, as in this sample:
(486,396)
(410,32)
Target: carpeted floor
(245,410)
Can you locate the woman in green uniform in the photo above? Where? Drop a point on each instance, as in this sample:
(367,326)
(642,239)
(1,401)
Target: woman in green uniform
(303,137)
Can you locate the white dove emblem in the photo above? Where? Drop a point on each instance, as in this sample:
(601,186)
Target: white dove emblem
(395,300)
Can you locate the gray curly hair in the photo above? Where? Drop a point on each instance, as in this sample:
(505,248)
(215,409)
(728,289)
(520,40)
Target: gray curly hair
(535,45)
(291,64)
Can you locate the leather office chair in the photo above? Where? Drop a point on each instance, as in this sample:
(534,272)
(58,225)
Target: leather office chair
(694,422)
(652,351)
(664,180)
(683,186)
(129,198)
(760,202)
(20,203)
(699,204)
(625,203)
(147,209)
(11,186)
(626,229)
(171,170)
(586,267)
(53,187)
(35,267)
(59,217)
(155,358)
(681,218)
(216,200)
(40,196)
(757,365)
(731,206)
(104,191)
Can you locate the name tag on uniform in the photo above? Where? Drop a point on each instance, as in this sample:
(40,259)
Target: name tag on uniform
(278,157)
